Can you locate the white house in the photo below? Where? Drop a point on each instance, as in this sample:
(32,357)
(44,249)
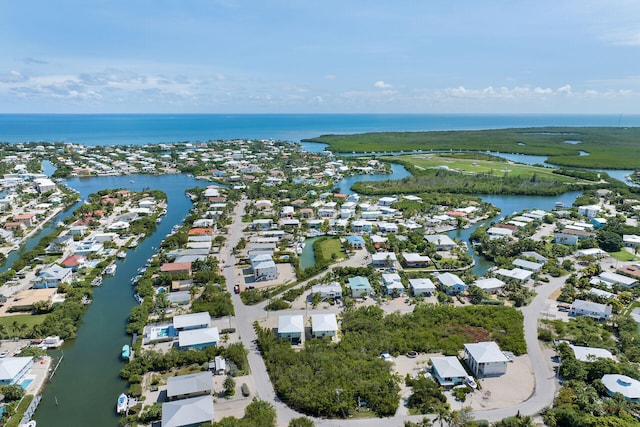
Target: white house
(631,240)
(198,338)
(383,259)
(590,354)
(185,322)
(591,309)
(528,265)
(448,371)
(499,232)
(187,412)
(291,327)
(191,385)
(332,290)
(412,259)
(491,285)
(422,286)
(626,386)
(52,277)
(590,211)
(393,283)
(441,241)
(13,369)
(485,359)
(324,325)
(515,274)
(614,279)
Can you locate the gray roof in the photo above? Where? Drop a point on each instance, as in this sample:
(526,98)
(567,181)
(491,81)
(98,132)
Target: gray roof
(187,384)
(448,367)
(290,323)
(449,279)
(191,320)
(185,412)
(485,352)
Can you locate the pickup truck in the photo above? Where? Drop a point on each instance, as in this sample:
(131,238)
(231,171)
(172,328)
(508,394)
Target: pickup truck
(236,289)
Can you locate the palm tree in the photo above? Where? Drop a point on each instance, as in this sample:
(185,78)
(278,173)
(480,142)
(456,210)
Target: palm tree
(442,414)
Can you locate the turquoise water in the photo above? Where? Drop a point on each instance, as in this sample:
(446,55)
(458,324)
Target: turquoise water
(87,384)
(307,257)
(24,384)
(139,129)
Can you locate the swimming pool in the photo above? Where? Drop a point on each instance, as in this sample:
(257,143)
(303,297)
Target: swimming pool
(24,384)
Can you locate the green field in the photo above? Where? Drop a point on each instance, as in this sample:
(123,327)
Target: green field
(28,319)
(623,255)
(496,167)
(608,147)
(331,249)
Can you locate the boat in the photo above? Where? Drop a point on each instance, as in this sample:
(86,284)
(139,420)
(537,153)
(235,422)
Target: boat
(111,269)
(121,406)
(126,352)
(121,255)
(559,204)
(31,423)
(471,382)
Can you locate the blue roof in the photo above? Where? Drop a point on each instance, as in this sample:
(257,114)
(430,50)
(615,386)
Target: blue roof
(355,240)
(359,282)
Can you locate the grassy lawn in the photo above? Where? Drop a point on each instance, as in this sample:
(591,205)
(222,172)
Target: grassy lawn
(29,319)
(623,255)
(482,166)
(332,249)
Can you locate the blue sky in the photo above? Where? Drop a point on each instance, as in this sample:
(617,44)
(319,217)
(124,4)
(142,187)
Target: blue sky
(320,56)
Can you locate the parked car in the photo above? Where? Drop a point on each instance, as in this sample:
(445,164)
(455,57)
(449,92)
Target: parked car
(236,289)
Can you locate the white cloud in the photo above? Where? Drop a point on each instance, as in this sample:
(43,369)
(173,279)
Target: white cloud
(381,84)
(330,77)
(566,89)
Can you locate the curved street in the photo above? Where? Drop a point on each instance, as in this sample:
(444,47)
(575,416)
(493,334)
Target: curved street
(545,379)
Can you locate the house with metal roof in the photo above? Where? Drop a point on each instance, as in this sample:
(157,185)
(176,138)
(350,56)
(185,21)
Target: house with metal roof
(198,338)
(485,359)
(188,412)
(626,386)
(451,284)
(324,325)
(359,286)
(13,369)
(184,322)
(448,371)
(590,309)
(192,385)
(422,286)
(291,327)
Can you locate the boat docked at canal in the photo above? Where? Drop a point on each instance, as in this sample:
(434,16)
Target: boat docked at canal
(121,255)
(126,352)
(121,405)
(111,269)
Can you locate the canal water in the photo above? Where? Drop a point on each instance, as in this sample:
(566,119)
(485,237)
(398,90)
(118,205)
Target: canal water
(86,385)
(307,257)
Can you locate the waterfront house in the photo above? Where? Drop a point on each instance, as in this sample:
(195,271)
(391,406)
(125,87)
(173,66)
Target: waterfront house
(590,211)
(175,268)
(360,286)
(28,219)
(422,287)
(499,232)
(451,283)
(53,276)
(197,339)
(332,290)
(74,262)
(356,242)
(590,309)
(188,412)
(448,371)
(528,265)
(291,327)
(324,325)
(622,384)
(59,244)
(185,322)
(441,241)
(485,359)
(179,298)
(262,224)
(13,369)
(192,385)
(415,260)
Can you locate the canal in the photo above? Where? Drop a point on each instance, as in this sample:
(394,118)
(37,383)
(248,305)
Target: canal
(86,385)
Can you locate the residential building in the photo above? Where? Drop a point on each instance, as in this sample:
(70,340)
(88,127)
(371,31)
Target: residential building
(528,265)
(356,242)
(415,260)
(332,290)
(324,325)
(613,279)
(590,354)
(422,287)
(188,412)
(590,211)
(53,276)
(191,385)
(393,284)
(291,327)
(451,284)
(591,309)
(186,322)
(485,359)
(13,369)
(622,384)
(515,274)
(448,371)
(441,241)
(198,338)
(360,286)
(383,259)
(175,268)
(490,285)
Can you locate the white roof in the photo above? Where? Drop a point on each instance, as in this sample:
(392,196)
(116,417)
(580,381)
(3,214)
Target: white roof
(290,323)
(622,384)
(198,336)
(514,273)
(527,265)
(440,239)
(421,283)
(499,231)
(448,367)
(383,256)
(324,322)
(192,383)
(449,279)
(588,354)
(486,352)
(489,283)
(191,320)
(331,287)
(10,367)
(184,412)
(607,276)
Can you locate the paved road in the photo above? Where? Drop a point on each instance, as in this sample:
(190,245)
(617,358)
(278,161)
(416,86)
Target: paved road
(545,381)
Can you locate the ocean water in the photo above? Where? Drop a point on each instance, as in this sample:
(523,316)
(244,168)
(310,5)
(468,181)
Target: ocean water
(140,129)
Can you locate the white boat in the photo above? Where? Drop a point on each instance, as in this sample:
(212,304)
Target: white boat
(31,423)
(121,406)
(121,255)
(111,269)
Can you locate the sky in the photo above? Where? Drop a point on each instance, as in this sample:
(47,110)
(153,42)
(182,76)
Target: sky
(320,56)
